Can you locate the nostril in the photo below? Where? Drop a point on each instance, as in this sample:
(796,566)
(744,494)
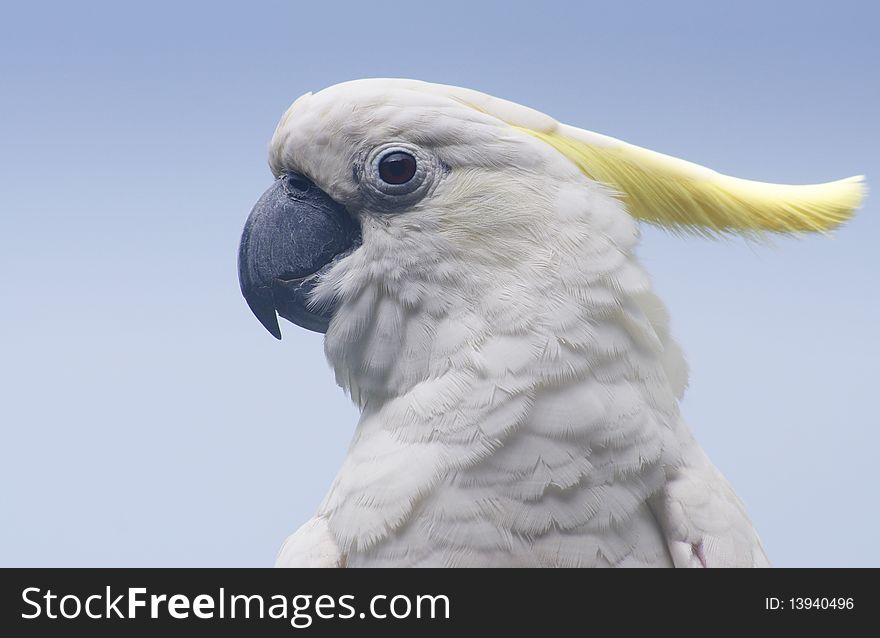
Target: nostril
(297,182)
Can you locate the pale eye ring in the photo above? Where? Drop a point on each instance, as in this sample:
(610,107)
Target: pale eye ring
(398,174)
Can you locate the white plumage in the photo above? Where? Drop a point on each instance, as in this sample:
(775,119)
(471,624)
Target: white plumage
(518,384)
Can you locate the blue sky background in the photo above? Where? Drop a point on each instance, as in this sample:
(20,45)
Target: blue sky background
(147,419)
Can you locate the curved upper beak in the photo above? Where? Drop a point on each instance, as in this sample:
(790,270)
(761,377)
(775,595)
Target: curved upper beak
(294,231)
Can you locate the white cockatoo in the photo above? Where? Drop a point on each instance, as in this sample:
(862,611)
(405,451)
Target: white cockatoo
(472,264)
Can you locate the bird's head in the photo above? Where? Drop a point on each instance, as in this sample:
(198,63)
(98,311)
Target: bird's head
(396,177)
(402,208)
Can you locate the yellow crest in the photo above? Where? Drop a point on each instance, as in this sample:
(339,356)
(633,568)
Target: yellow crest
(671,192)
(674,193)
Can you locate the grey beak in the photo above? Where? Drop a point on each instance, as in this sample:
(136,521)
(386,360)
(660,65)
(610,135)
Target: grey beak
(294,231)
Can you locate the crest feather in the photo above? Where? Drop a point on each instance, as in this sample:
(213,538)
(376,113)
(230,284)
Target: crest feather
(674,193)
(671,192)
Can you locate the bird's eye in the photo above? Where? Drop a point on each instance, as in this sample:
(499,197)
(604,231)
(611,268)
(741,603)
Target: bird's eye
(397,168)
(396,175)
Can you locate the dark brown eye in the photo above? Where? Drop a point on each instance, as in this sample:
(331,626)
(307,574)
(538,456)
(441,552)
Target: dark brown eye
(397,168)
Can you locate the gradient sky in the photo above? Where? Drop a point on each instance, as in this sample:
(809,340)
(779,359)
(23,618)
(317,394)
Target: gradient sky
(147,419)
